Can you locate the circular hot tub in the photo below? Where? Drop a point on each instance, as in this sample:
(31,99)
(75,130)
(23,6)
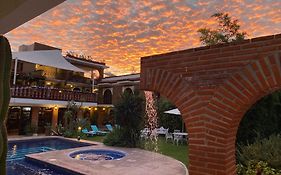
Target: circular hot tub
(97,155)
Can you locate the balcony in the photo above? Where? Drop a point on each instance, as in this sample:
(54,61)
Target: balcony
(52,94)
(73,78)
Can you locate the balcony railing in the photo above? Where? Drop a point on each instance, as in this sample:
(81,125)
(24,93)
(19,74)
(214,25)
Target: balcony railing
(52,94)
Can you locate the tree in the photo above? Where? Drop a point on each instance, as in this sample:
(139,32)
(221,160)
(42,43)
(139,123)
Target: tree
(72,122)
(228,31)
(129,112)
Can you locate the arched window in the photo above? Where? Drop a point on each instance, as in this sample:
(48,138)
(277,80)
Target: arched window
(128,91)
(76,89)
(107,97)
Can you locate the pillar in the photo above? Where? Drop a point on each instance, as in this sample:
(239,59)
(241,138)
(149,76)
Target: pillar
(34,116)
(92,110)
(55,117)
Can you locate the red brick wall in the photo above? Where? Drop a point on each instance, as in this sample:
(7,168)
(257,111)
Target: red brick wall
(213,87)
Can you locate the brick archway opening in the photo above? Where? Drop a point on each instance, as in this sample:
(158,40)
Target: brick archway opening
(169,118)
(213,87)
(254,124)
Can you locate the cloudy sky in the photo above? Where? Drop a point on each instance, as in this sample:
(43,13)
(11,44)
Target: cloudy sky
(119,32)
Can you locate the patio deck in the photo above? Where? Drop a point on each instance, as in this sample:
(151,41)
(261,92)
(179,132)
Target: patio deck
(136,162)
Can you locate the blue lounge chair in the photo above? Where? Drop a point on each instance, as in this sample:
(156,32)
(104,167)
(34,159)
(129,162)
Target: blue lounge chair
(109,127)
(88,133)
(96,130)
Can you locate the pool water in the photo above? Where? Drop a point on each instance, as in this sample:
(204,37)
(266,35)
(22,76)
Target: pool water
(18,165)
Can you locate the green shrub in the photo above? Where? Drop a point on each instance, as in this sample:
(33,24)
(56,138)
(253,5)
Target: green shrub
(253,168)
(70,134)
(266,150)
(115,138)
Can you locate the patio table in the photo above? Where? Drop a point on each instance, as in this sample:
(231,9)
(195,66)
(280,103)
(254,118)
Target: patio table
(180,133)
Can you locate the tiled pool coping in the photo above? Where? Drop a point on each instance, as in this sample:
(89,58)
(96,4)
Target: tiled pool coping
(136,162)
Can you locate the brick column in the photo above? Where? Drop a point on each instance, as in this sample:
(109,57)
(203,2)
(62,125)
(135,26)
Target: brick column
(55,117)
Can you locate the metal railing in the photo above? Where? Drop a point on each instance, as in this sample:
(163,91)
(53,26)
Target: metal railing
(52,94)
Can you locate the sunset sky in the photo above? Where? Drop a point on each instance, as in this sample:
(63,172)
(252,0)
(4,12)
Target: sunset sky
(119,32)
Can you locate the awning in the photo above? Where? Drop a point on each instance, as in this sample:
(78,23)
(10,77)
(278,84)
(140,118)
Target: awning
(52,58)
(14,13)
(173,111)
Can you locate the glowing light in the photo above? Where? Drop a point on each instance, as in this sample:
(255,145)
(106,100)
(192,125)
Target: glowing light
(56,107)
(77,157)
(48,83)
(79,128)
(103,109)
(60,91)
(26,108)
(96,109)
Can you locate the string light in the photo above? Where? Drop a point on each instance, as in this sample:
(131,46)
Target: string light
(152,122)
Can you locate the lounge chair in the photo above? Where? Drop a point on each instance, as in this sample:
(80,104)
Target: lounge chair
(88,133)
(96,130)
(109,127)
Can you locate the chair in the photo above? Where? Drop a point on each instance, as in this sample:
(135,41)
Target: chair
(168,136)
(109,127)
(177,138)
(144,134)
(161,131)
(96,130)
(88,133)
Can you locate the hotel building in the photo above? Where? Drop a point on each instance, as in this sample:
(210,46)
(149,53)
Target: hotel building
(43,82)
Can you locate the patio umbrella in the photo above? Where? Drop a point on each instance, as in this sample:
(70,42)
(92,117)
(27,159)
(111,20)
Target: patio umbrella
(175,112)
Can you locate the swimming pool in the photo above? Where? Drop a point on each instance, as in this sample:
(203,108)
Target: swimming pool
(18,165)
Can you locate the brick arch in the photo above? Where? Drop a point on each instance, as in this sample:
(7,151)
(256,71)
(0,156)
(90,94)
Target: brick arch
(177,91)
(167,84)
(213,87)
(234,98)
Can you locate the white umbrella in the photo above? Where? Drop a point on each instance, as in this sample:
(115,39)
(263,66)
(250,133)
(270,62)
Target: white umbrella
(175,112)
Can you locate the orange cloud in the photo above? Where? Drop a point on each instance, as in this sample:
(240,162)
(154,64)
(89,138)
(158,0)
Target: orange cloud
(120,32)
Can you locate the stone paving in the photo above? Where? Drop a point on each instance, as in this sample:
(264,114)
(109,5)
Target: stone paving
(136,162)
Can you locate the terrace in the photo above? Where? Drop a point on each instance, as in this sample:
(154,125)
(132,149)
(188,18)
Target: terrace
(47,93)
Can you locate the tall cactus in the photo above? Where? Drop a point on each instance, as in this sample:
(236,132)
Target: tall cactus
(5,74)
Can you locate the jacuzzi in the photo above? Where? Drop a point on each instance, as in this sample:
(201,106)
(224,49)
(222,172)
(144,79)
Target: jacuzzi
(97,155)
